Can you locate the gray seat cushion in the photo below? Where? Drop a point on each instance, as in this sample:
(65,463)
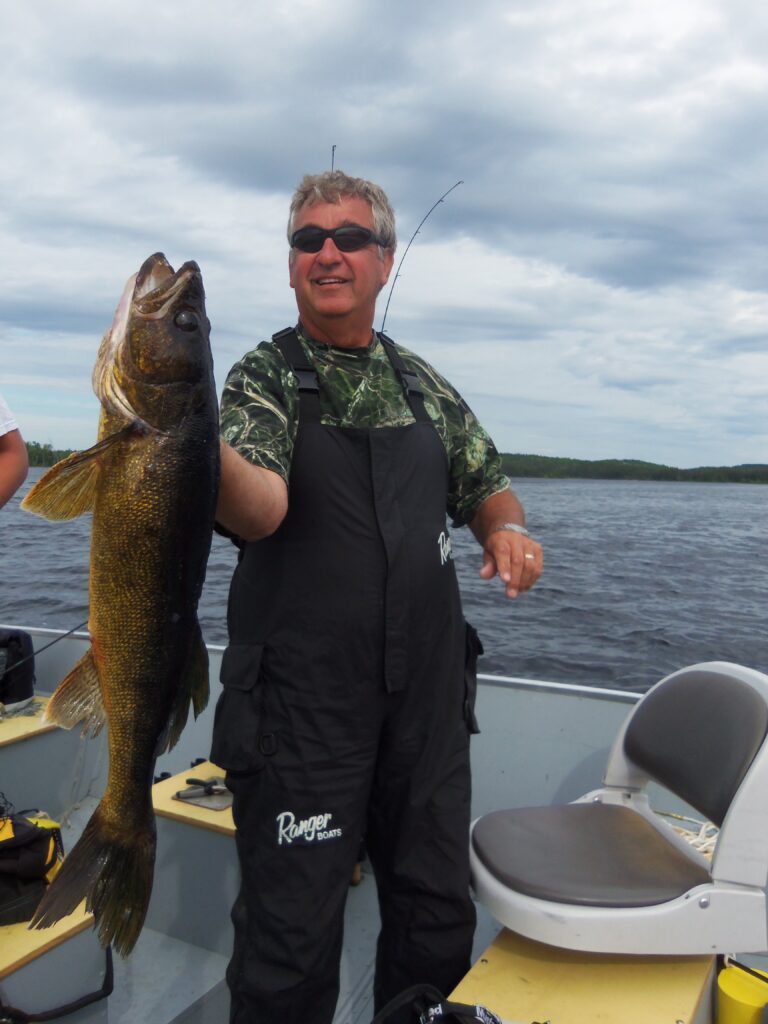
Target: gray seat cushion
(591,854)
(697,734)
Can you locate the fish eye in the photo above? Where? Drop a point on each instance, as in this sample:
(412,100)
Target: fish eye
(186,320)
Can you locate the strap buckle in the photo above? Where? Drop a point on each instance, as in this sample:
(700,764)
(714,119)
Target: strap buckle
(279,334)
(306,379)
(410,382)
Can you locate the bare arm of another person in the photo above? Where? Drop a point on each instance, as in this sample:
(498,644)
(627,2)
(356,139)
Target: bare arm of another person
(252,500)
(515,558)
(14,464)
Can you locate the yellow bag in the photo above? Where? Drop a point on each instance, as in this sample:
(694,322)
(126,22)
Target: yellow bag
(31,852)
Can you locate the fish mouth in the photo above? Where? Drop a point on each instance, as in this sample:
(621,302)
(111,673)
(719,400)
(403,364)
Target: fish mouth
(157,285)
(148,295)
(153,272)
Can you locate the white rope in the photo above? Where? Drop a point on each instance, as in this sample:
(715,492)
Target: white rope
(702,836)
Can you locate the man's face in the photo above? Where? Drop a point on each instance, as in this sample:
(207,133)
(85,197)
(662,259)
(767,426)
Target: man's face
(337,290)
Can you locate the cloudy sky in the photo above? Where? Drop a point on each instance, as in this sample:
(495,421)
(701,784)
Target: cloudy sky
(596,286)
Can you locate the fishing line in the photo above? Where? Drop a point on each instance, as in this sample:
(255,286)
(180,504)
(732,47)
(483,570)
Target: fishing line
(397,272)
(80,788)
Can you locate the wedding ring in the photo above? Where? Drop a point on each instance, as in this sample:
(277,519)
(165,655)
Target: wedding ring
(529,555)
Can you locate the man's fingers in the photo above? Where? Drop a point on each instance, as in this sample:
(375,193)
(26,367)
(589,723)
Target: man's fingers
(517,560)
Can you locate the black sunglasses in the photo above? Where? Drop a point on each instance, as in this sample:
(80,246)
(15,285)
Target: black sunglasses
(347,238)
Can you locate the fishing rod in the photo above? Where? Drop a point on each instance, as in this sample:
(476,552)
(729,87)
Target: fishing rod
(397,272)
(40,650)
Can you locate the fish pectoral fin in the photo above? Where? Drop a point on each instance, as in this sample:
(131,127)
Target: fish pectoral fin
(78,698)
(194,686)
(68,489)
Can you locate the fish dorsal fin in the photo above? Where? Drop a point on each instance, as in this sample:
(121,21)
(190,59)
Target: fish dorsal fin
(199,677)
(78,698)
(193,686)
(68,489)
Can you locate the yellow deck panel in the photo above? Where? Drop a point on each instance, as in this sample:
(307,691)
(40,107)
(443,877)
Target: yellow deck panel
(178,810)
(21,727)
(521,980)
(20,944)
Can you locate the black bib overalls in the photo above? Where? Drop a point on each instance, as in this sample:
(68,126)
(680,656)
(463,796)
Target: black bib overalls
(344,715)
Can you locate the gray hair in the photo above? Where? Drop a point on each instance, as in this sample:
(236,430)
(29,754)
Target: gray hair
(331,186)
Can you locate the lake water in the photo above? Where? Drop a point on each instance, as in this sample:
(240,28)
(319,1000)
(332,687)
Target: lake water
(640,578)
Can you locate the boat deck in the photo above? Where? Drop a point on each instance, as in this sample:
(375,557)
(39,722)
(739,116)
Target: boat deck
(541,743)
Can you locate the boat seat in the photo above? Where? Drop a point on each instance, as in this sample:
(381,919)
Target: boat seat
(606,873)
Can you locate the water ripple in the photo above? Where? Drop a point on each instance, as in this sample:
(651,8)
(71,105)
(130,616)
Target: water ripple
(638,582)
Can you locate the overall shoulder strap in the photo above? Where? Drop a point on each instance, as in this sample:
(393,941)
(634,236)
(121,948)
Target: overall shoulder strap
(411,384)
(287,341)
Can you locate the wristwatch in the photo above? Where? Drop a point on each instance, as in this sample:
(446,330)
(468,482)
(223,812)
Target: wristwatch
(515,527)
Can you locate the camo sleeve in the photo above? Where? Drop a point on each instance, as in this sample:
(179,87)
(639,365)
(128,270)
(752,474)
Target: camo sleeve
(258,410)
(476,469)
(475,464)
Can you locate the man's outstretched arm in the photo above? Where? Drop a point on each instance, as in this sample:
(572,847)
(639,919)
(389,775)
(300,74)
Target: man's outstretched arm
(252,500)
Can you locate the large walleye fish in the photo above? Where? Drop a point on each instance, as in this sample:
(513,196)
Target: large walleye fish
(151,482)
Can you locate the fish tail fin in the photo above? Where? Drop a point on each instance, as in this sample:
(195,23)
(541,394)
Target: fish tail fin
(114,877)
(78,698)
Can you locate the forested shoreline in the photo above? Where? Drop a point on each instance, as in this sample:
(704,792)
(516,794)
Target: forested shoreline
(45,454)
(548,466)
(628,469)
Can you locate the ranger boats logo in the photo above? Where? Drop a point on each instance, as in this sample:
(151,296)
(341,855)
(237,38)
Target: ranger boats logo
(446,548)
(314,829)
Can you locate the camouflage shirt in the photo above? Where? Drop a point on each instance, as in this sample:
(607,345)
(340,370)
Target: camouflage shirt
(358,388)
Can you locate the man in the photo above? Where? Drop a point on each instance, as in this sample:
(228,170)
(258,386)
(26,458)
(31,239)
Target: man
(14,463)
(346,709)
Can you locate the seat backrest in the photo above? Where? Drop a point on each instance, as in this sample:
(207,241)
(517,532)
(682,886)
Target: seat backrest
(697,732)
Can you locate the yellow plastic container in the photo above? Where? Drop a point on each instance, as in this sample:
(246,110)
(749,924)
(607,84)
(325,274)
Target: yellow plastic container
(741,997)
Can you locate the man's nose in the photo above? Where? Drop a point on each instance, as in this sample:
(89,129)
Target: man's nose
(329,252)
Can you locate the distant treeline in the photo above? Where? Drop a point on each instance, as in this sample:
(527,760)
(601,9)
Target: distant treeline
(628,469)
(44,454)
(549,466)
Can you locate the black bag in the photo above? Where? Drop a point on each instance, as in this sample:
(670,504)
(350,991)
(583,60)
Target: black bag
(13,1015)
(31,852)
(428,1006)
(17,668)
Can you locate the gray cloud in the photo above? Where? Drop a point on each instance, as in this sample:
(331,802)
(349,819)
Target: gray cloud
(599,274)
